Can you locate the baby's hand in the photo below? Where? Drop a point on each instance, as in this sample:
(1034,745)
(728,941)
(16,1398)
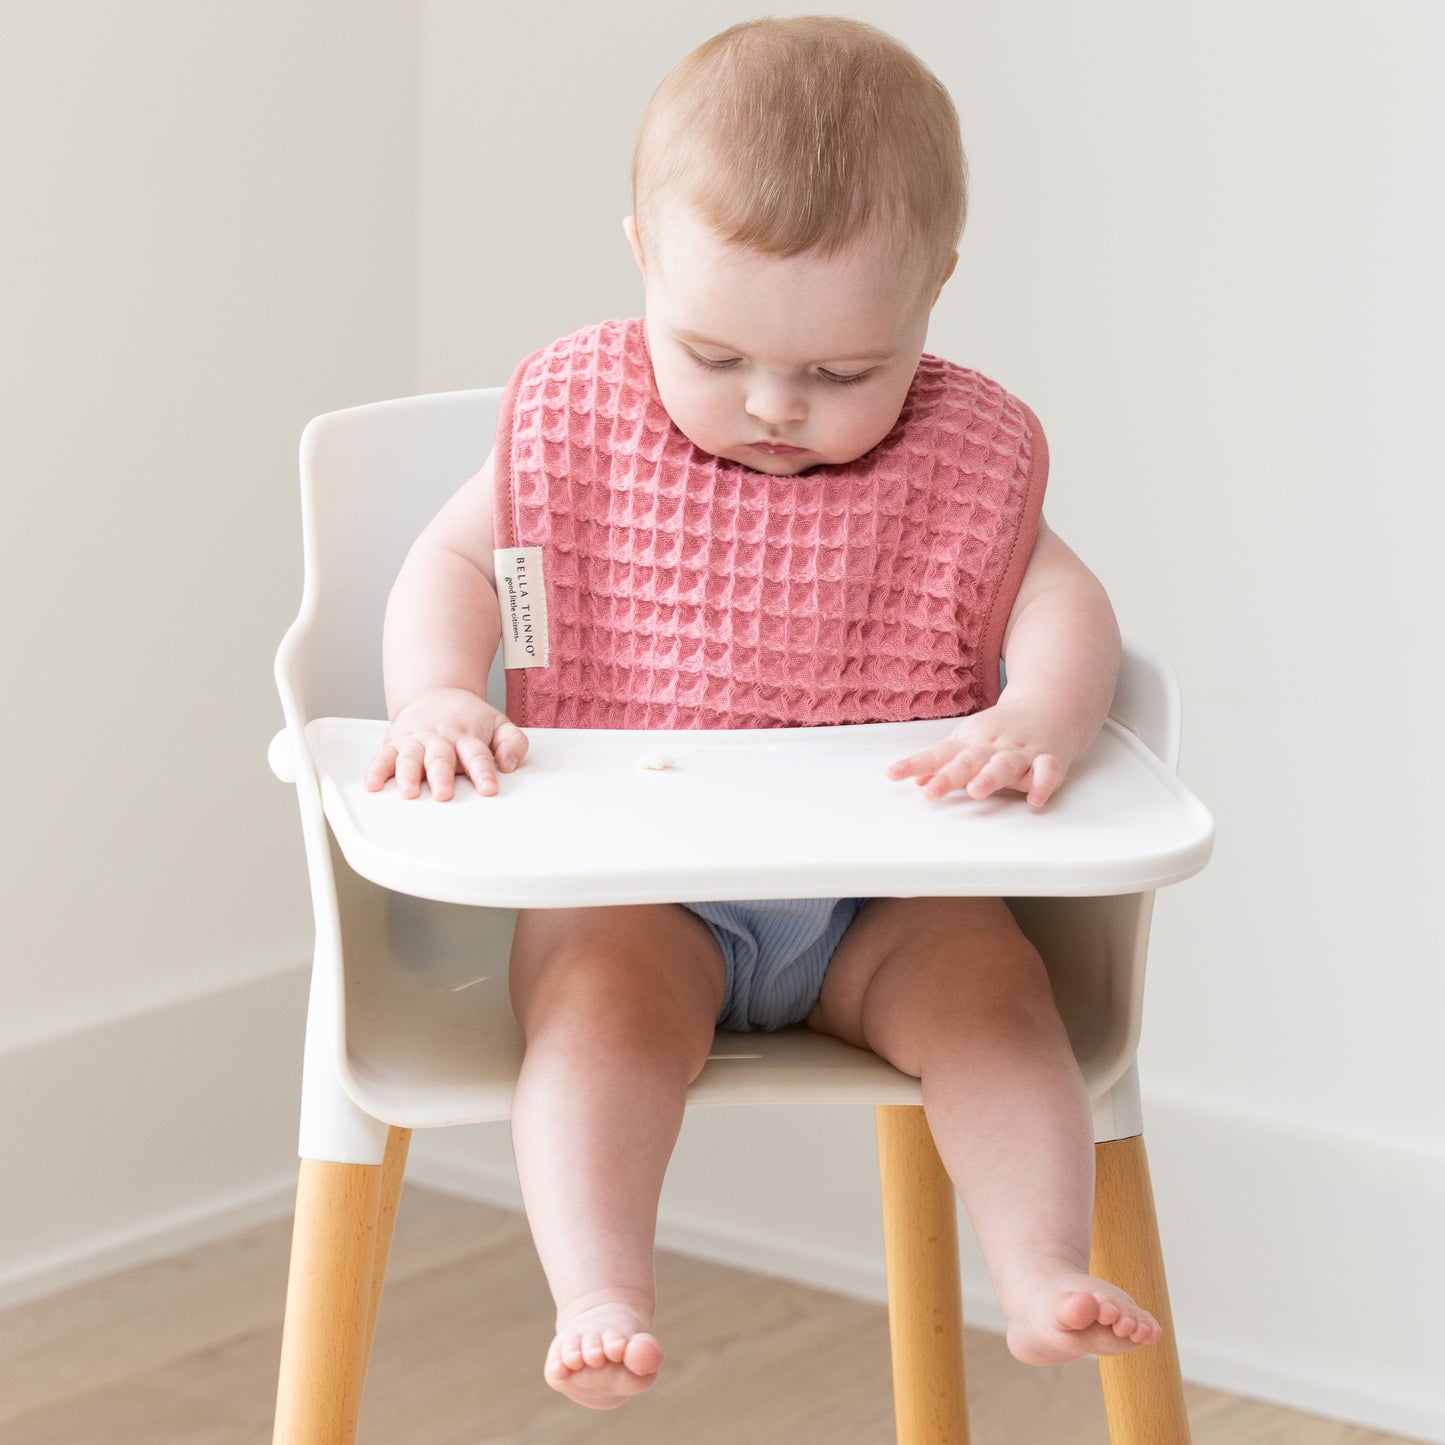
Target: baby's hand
(997,748)
(443,732)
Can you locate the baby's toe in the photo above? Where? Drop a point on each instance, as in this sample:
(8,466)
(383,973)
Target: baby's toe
(643,1356)
(1077,1311)
(614,1346)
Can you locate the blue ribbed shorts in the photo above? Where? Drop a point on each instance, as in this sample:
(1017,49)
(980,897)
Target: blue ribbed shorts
(776,952)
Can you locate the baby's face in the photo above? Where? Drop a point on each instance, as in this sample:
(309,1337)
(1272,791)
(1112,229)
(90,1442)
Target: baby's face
(781,365)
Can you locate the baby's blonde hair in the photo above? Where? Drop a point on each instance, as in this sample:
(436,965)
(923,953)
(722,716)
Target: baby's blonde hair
(804,134)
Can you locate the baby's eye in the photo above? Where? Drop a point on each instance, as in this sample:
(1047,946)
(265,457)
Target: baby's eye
(713,363)
(839,378)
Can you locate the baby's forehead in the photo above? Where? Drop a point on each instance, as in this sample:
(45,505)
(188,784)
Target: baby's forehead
(689,252)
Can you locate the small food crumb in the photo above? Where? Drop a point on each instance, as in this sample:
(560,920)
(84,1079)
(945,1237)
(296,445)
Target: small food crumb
(656,762)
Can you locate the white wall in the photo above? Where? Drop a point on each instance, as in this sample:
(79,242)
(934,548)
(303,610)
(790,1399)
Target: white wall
(209,237)
(1204,246)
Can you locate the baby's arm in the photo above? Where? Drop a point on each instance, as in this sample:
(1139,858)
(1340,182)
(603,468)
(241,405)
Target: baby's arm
(442,628)
(1061,655)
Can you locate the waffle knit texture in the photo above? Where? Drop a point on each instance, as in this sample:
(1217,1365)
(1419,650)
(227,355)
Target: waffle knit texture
(687,591)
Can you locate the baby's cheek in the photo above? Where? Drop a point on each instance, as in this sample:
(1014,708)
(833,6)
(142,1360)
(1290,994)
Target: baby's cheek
(874,419)
(698,416)
(864,432)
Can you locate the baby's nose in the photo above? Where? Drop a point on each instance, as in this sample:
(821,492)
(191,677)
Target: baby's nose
(775,401)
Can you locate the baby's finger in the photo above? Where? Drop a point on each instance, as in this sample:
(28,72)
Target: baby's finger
(1003,770)
(441,771)
(381,767)
(509,744)
(478,764)
(1047,774)
(958,773)
(922,765)
(409,770)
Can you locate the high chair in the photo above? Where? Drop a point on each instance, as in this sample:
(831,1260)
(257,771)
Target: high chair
(409,1024)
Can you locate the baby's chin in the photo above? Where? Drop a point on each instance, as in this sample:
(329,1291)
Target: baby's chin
(781,466)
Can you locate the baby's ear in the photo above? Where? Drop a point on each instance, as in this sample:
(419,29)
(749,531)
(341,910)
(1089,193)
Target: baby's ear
(629,226)
(947,272)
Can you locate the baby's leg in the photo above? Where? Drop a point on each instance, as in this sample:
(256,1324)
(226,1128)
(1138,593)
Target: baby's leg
(950,991)
(617,1005)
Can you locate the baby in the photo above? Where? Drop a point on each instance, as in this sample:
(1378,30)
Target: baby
(765,506)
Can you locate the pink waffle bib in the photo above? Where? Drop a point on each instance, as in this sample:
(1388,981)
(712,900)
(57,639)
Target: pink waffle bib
(686,591)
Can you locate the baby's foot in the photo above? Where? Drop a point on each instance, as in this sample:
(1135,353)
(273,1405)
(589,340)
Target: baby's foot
(603,1355)
(1068,1314)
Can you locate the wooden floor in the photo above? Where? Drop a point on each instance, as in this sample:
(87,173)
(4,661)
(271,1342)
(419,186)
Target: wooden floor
(184,1353)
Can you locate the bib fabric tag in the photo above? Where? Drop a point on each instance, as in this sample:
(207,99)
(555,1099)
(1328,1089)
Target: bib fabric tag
(523,596)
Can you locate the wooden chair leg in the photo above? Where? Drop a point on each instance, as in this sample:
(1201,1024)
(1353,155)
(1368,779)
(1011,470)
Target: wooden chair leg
(1143,1390)
(328,1303)
(925,1313)
(393,1171)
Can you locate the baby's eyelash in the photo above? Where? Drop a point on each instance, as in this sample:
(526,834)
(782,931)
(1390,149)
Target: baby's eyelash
(709,363)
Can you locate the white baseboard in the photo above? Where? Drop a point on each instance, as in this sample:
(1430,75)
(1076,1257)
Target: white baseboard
(1304,1267)
(98,1256)
(133,1140)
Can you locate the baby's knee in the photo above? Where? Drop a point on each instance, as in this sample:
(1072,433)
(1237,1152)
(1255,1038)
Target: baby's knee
(1007,974)
(996,974)
(609,1003)
(583,981)
(630,973)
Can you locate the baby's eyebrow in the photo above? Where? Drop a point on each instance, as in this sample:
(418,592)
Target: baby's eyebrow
(692,338)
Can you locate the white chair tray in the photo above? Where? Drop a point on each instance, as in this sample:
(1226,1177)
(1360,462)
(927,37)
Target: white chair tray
(772,813)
